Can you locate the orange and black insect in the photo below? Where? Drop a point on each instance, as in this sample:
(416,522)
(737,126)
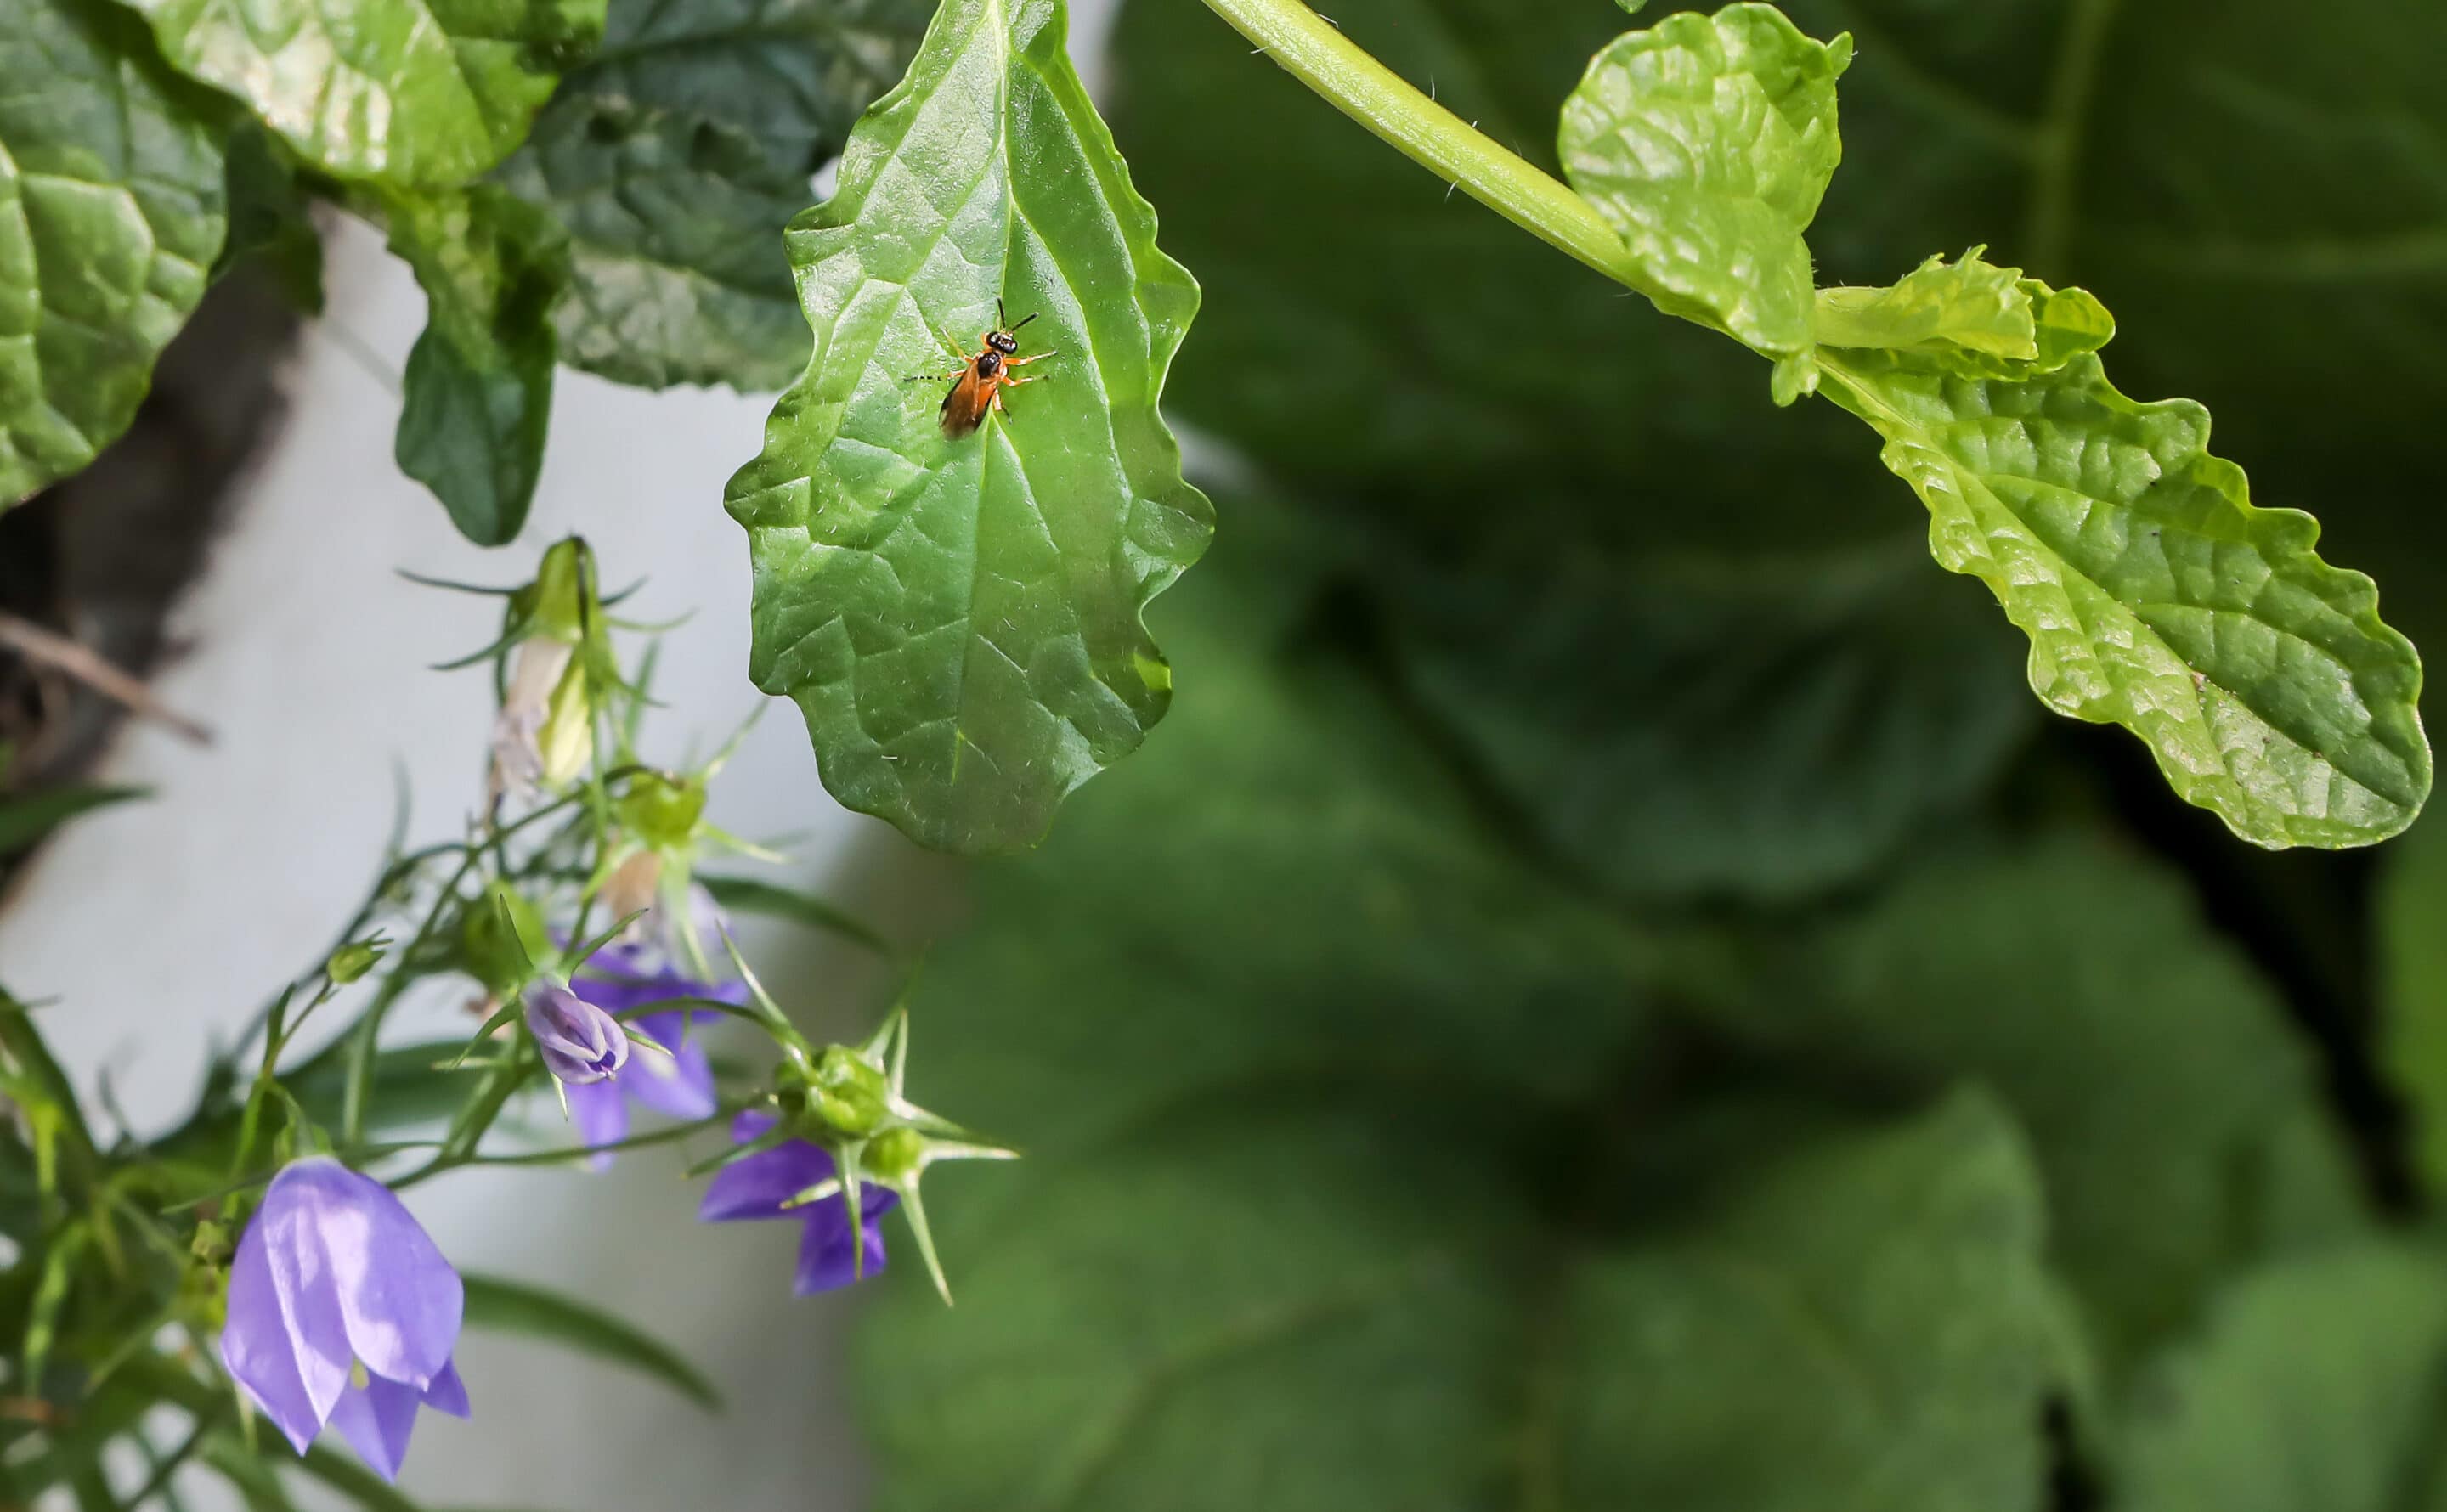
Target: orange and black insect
(983,377)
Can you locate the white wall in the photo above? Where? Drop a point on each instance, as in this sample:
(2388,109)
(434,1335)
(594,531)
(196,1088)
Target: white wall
(158,927)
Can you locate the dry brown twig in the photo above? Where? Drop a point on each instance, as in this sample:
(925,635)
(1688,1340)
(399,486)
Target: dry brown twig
(80,662)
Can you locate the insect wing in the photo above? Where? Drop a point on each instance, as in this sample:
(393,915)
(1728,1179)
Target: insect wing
(964,407)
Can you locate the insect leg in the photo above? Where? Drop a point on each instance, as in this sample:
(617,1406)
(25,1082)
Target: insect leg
(1022,362)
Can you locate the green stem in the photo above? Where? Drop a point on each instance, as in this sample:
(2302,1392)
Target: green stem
(1376,97)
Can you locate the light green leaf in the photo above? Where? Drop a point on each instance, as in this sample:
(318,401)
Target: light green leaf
(478,398)
(2172,1108)
(2156,596)
(111,210)
(1971,316)
(675,158)
(2313,1389)
(2412,939)
(1706,143)
(512,1307)
(26,818)
(960,619)
(1309,1311)
(414,93)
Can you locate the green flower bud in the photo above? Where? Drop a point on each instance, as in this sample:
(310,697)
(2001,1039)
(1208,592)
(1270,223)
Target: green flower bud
(557,605)
(500,941)
(352,960)
(566,742)
(662,810)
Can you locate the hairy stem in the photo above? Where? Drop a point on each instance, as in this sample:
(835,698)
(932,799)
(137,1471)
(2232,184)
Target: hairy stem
(1322,58)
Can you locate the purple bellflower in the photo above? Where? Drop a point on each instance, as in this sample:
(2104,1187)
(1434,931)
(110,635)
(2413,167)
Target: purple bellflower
(622,976)
(581,1044)
(342,1312)
(757,1185)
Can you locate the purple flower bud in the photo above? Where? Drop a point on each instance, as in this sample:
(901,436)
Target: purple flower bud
(341,1311)
(581,1044)
(758,1185)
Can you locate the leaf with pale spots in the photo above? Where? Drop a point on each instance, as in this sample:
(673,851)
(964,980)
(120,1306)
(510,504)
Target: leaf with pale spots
(959,618)
(113,209)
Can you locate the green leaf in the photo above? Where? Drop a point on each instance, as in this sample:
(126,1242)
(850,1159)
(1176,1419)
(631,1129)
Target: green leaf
(749,894)
(791,75)
(1706,143)
(270,219)
(1970,317)
(675,158)
(111,210)
(2313,1387)
(676,268)
(2175,1116)
(412,93)
(960,619)
(2412,968)
(1311,1310)
(26,818)
(2157,596)
(1797,721)
(1286,885)
(478,389)
(512,1307)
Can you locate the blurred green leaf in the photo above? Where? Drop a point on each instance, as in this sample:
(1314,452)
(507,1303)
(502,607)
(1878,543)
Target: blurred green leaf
(2175,1116)
(478,389)
(111,210)
(2156,596)
(412,93)
(1796,722)
(271,219)
(1313,1310)
(2412,966)
(512,1307)
(749,894)
(1287,887)
(1706,143)
(2314,1389)
(959,618)
(676,155)
(27,817)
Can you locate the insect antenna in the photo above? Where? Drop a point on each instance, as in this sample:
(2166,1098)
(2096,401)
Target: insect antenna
(1015,329)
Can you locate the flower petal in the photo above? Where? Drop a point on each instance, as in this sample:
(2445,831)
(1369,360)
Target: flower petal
(679,1084)
(284,1340)
(398,1298)
(376,1419)
(447,1393)
(601,1116)
(826,1247)
(756,1188)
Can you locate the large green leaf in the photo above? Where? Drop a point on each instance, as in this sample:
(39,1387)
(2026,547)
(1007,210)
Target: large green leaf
(2313,1389)
(676,155)
(2412,940)
(1314,1311)
(478,389)
(424,94)
(111,210)
(1797,721)
(959,618)
(2156,596)
(1287,885)
(1706,143)
(2175,1117)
